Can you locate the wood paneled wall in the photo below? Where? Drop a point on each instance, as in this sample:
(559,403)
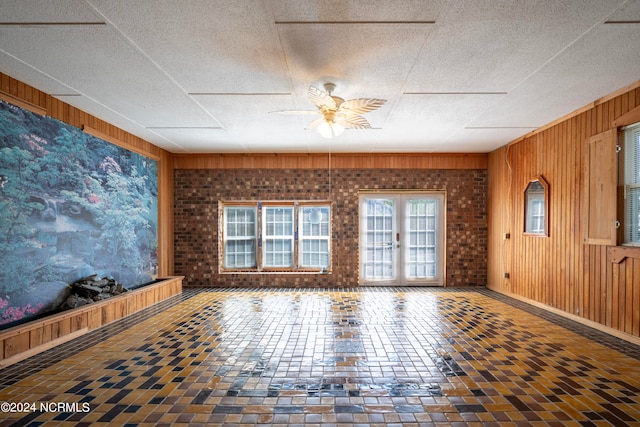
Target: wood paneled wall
(333,161)
(23,95)
(560,272)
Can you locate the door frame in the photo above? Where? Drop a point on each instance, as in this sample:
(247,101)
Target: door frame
(399,217)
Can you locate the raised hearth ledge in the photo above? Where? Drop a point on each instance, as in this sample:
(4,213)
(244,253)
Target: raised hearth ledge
(23,341)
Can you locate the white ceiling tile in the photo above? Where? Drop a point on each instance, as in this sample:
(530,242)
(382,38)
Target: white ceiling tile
(205,45)
(433,118)
(203,75)
(630,11)
(47,11)
(478,140)
(13,66)
(588,71)
(358,10)
(123,122)
(89,58)
(493,46)
(363,60)
(200,140)
(246,116)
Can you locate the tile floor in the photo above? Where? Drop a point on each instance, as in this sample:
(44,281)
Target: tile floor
(354,357)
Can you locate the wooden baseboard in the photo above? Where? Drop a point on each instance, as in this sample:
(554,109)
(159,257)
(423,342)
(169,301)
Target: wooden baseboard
(595,325)
(40,348)
(23,341)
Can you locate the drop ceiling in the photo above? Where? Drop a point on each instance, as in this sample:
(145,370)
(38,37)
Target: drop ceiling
(206,76)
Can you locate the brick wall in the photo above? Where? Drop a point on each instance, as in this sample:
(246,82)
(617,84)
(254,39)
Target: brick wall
(197,192)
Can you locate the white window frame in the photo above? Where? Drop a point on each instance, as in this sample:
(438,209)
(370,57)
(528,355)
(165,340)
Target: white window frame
(289,234)
(250,239)
(278,236)
(536,206)
(631,150)
(318,233)
(536,220)
(396,237)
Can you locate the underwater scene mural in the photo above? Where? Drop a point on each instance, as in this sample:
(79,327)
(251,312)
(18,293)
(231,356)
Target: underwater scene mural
(71,206)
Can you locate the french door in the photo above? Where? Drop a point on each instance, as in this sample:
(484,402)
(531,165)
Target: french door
(402,238)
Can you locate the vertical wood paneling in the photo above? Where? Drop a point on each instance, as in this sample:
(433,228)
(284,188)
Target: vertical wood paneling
(16,344)
(165,215)
(337,161)
(634,272)
(560,271)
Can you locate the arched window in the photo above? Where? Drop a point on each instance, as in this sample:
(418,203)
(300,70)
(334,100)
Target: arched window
(536,208)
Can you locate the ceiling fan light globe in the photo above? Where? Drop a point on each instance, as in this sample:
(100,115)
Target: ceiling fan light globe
(330,129)
(324,129)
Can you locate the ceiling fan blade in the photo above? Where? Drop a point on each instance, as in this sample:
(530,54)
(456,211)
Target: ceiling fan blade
(353,121)
(299,112)
(362,105)
(315,123)
(321,99)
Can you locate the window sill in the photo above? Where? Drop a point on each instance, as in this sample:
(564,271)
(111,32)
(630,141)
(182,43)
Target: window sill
(535,234)
(617,254)
(275,272)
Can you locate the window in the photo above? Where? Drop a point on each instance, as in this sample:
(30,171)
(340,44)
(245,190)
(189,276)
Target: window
(314,237)
(631,190)
(278,236)
(240,232)
(536,196)
(275,236)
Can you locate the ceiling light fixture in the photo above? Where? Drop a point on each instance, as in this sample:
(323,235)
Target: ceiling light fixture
(329,127)
(336,113)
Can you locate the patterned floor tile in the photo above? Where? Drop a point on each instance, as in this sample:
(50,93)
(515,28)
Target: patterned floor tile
(370,356)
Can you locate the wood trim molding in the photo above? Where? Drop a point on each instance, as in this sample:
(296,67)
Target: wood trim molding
(23,104)
(629,118)
(98,134)
(617,254)
(43,347)
(332,161)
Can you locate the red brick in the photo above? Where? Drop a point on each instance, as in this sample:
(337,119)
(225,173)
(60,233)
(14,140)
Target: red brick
(197,193)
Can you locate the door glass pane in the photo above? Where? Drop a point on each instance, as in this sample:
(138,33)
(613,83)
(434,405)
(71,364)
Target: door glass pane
(421,262)
(378,239)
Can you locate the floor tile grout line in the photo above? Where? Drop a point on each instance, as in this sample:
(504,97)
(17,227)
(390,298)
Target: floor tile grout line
(35,364)
(625,347)
(248,356)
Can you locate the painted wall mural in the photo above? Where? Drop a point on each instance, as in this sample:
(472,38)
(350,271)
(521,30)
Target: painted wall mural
(71,205)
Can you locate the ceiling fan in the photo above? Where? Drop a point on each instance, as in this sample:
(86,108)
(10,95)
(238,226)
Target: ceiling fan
(336,113)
